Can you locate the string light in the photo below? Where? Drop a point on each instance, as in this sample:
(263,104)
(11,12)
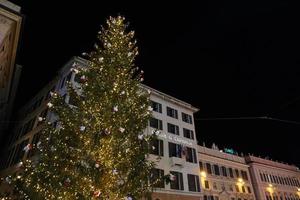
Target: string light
(98,151)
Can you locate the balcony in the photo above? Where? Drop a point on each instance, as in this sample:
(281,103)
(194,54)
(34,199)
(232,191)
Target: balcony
(175,161)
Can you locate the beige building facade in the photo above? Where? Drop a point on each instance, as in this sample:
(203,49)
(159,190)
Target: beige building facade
(10,28)
(274,180)
(224,176)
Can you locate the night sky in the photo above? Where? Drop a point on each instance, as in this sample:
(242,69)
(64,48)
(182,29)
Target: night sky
(231,60)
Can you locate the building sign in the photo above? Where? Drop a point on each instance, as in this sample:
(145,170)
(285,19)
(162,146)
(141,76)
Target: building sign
(230,151)
(175,138)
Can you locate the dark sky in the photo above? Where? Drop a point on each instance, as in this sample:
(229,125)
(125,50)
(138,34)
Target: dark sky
(230,59)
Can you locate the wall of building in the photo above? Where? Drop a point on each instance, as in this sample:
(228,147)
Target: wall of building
(228,177)
(168,162)
(10,27)
(273,180)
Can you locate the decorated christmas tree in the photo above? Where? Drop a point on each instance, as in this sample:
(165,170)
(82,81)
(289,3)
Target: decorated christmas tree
(97,149)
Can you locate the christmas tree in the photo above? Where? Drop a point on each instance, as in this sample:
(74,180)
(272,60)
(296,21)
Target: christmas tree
(98,149)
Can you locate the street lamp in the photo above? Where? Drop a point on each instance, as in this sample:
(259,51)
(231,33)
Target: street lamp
(203,174)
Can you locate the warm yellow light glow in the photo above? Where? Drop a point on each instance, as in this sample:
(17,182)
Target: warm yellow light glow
(270,185)
(203,174)
(240,180)
(298,189)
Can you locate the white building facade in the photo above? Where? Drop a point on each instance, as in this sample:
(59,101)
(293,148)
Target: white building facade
(176,147)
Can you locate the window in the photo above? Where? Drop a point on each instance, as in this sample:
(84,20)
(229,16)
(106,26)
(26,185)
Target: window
(201,166)
(157,178)
(217,170)
(237,188)
(188,133)
(231,172)
(156,123)
(244,175)
(158,147)
(206,184)
(224,171)
(272,180)
(208,167)
(177,183)
(156,107)
(191,155)
(243,189)
(172,112)
(187,118)
(261,177)
(265,178)
(175,150)
(249,189)
(237,174)
(173,129)
(193,182)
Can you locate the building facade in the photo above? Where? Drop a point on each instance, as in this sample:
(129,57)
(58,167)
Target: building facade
(176,146)
(224,176)
(274,180)
(172,121)
(10,27)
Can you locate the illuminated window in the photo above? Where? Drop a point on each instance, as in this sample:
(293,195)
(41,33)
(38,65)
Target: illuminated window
(206,184)
(237,188)
(243,189)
